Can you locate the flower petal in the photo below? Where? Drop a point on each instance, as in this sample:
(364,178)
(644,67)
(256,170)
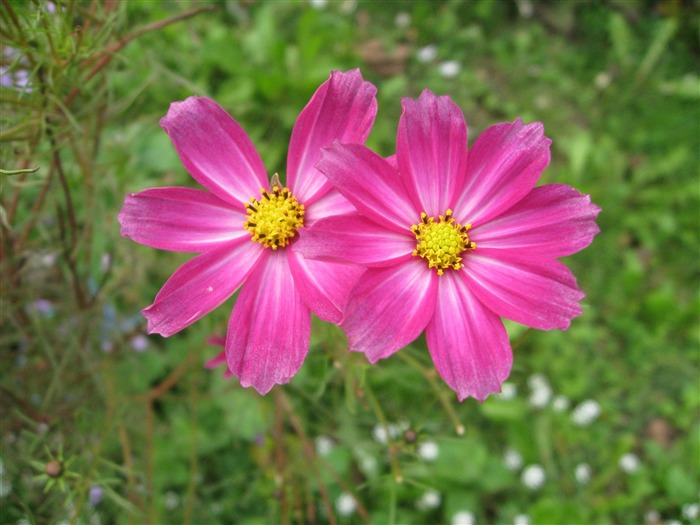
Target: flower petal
(269,329)
(389,308)
(540,293)
(180,219)
(219,360)
(332,203)
(554,220)
(324,286)
(343,108)
(355,239)
(215,150)
(502,167)
(200,285)
(370,183)
(431,148)
(467,341)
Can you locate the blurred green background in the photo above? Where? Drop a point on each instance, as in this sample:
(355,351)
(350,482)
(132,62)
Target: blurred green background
(101,424)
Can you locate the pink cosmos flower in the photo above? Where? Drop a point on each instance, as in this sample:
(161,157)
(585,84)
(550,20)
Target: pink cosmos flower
(220,358)
(243,227)
(452,241)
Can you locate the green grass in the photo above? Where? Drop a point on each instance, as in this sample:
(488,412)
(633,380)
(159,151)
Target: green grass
(617,86)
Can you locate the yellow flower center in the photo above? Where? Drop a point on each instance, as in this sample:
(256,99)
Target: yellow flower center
(274,218)
(442,243)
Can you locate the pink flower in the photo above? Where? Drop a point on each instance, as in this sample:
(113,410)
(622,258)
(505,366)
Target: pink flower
(220,358)
(243,226)
(453,241)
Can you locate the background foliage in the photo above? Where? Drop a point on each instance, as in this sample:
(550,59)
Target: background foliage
(103,424)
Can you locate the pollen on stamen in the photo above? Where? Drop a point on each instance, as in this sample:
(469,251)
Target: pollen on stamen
(274,219)
(442,243)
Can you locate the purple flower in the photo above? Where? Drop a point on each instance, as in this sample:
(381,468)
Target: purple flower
(95,495)
(139,343)
(43,307)
(453,241)
(243,227)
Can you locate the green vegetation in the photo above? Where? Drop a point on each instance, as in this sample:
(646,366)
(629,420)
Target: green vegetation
(102,424)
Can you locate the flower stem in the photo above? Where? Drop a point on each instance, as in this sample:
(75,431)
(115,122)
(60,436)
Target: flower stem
(442,396)
(376,407)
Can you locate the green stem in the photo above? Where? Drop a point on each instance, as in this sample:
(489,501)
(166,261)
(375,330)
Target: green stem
(442,396)
(376,407)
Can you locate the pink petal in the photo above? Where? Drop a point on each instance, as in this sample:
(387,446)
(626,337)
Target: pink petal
(217,361)
(355,239)
(343,108)
(370,184)
(540,293)
(554,220)
(389,308)
(268,333)
(216,340)
(431,148)
(180,219)
(332,203)
(502,167)
(468,342)
(215,150)
(200,285)
(324,286)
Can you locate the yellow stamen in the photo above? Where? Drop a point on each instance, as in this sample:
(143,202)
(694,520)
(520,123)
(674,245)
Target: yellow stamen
(274,218)
(442,243)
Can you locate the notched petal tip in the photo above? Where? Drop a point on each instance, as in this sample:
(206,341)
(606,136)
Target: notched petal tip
(178,108)
(428,98)
(152,325)
(262,388)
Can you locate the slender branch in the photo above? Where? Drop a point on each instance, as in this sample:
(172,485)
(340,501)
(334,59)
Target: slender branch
(280,461)
(442,397)
(148,457)
(33,216)
(308,451)
(127,455)
(109,52)
(194,460)
(165,385)
(376,407)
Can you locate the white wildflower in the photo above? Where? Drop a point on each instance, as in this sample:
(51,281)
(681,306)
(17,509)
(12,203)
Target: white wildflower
(324,445)
(629,463)
(345,504)
(533,477)
(380,434)
(427,53)
(560,403)
(585,413)
(521,519)
(508,390)
(172,500)
(429,500)
(402,20)
(512,459)
(463,517)
(690,511)
(602,80)
(449,68)
(428,451)
(525,8)
(582,473)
